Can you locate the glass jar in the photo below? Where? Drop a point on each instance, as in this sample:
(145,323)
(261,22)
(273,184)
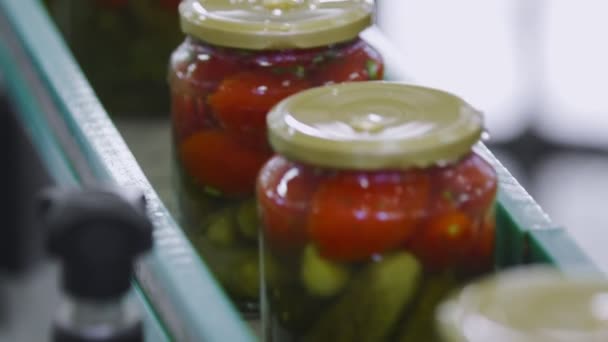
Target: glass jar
(375,207)
(528,304)
(122,47)
(234,65)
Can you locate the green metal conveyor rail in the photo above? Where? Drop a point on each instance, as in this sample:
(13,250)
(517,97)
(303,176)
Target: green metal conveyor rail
(80,145)
(31,99)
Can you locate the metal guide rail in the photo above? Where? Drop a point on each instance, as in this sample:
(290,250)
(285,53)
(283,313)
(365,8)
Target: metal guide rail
(80,145)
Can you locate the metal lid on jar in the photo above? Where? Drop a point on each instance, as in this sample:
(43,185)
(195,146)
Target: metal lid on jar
(374,125)
(275,24)
(533,304)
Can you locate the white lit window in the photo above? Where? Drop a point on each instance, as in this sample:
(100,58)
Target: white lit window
(466,47)
(576,72)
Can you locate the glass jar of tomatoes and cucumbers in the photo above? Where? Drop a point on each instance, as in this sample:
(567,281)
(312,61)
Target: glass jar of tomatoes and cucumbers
(374,208)
(539,303)
(238,60)
(122,47)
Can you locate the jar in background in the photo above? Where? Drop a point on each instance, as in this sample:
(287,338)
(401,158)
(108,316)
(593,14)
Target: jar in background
(374,208)
(122,47)
(239,59)
(528,304)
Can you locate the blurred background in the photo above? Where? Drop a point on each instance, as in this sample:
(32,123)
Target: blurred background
(538,70)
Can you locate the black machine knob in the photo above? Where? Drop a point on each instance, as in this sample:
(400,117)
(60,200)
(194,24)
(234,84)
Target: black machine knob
(97,234)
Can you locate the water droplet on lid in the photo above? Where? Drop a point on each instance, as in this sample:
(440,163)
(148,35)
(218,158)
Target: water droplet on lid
(376,257)
(485,135)
(261,90)
(371,123)
(444,163)
(281,4)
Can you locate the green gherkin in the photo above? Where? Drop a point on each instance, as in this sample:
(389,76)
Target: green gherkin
(371,305)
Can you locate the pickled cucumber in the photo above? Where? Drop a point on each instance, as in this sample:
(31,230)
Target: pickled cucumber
(221,230)
(372,302)
(271,270)
(420,322)
(322,277)
(291,310)
(246,280)
(194,205)
(237,268)
(247,218)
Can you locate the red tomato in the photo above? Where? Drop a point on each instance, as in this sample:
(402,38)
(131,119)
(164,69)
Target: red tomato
(213,159)
(470,184)
(285,190)
(482,254)
(363,64)
(189,115)
(443,240)
(256,140)
(242,101)
(442,201)
(209,68)
(355,215)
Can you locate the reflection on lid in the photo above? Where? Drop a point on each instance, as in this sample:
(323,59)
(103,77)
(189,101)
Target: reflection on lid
(361,130)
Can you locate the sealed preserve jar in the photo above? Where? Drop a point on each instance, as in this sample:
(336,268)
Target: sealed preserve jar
(375,207)
(528,304)
(122,46)
(239,59)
